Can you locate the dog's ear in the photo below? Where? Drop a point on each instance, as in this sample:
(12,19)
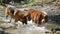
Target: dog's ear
(46,18)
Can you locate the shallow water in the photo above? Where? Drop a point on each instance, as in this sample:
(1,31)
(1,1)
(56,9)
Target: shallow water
(30,29)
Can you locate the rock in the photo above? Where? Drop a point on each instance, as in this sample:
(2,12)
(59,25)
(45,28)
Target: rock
(2,31)
(6,25)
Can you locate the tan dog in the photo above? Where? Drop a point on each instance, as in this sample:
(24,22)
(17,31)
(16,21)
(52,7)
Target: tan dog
(16,14)
(9,11)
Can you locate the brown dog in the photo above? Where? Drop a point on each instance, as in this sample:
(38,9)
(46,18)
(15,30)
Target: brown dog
(37,16)
(15,14)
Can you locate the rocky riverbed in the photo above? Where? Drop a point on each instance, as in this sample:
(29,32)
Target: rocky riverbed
(54,19)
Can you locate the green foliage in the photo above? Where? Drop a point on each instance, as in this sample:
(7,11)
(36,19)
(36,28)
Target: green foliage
(1,1)
(1,21)
(28,1)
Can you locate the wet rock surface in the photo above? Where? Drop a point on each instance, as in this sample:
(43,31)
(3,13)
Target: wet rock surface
(3,32)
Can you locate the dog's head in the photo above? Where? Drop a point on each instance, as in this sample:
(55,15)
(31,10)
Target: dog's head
(45,19)
(9,10)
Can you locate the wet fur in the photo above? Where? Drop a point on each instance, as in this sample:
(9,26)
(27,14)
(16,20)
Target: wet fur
(19,15)
(36,16)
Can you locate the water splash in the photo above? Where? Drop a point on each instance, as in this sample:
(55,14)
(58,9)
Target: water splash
(30,29)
